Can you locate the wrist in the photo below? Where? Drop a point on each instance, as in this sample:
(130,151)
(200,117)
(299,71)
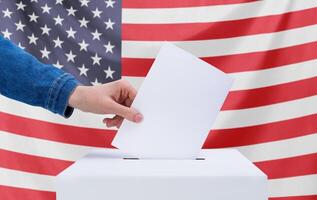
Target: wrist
(76,98)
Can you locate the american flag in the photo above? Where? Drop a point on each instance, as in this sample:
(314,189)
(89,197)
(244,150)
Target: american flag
(269,46)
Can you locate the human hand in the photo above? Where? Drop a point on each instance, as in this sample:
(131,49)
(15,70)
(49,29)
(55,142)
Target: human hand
(111,98)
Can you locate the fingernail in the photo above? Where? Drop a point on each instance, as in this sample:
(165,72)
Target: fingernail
(138,118)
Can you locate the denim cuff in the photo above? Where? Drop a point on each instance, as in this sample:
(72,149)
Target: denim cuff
(59,93)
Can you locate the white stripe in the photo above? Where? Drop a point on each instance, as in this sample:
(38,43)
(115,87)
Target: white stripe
(213,13)
(261,78)
(39,147)
(280,149)
(266,114)
(79,118)
(27,180)
(294,186)
(228,46)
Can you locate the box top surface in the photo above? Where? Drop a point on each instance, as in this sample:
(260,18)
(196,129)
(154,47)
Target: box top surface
(218,162)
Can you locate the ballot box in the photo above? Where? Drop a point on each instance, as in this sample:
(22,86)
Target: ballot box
(222,174)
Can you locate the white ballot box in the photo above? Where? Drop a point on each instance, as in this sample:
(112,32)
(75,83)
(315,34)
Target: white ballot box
(221,174)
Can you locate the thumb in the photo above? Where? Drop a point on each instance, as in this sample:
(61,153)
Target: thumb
(127,112)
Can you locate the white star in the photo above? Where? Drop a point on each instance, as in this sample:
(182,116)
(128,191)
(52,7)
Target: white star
(7,13)
(109,24)
(45,53)
(6,34)
(96,35)
(58,65)
(83,70)
(95,82)
(71,33)
(83,45)
(109,47)
(70,56)
(58,42)
(20,6)
(34,1)
(96,13)
(58,20)
(109,72)
(71,11)
(46,9)
(96,59)
(84,3)
(22,47)
(33,17)
(110,3)
(83,22)
(59,2)
(20,26)
(32,39)
(45,30)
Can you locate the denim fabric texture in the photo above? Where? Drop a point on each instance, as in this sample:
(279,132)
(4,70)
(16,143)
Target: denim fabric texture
(25,79)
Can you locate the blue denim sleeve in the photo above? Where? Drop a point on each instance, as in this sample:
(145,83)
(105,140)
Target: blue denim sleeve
(24,78)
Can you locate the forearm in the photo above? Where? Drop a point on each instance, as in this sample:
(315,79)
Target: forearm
(25,79)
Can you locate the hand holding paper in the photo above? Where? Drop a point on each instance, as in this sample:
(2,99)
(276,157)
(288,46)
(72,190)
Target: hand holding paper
(179,99)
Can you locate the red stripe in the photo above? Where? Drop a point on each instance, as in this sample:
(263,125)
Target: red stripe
(270,95)
(14,193)
(308,197)
(178,3)
(31,163)
(219,30)
(289,167)
(237,62)
(56,132)
(269,132)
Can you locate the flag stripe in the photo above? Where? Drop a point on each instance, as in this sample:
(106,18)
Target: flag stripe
(274,169)
(14,193)
(218,30)
(228,46)
(31,163)
(306,197)
(242,99)
(177,3)
(212,13)
(262,133)
(238,62)
(56,132)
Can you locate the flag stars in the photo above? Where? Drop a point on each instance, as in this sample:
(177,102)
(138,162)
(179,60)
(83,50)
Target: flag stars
(83,70)
(6,34)
(84,3)
(58,20)
(96,82)
(110,3)
(96,35)
(45,30)
(33,17)
(32,39)
(109,47)
(96,13)
(59,2)
(45,53)
(70,56)
(83,22)
(96,59)
(46,9)
(58,65)
(20,6)
(19,26)
(71,11)
(58,43)
(109,24)
(71,33)
(83,46)
(22,47)
(7,13)
(109,72)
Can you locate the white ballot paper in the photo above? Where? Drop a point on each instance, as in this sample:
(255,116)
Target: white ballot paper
(180,99)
